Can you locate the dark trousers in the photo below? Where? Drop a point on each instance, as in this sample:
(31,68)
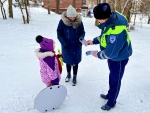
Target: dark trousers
(75,68)
(116,73)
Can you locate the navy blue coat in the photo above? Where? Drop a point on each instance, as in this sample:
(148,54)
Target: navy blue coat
(119,49)
(68,33)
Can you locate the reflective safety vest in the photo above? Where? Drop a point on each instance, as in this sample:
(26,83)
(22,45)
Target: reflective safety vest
(117,30)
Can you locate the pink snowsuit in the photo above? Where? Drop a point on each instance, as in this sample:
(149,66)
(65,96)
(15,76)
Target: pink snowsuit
(47,74)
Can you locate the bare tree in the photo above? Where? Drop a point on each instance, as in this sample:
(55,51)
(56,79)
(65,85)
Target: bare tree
(21,9)
(10,10)
(148,19)
(74,3)
(2,9)
(126,9)
(99,1)
(27,13)
(90,4)
(57,6)
(134,10)
(118,5)
(104,1)
(95,2)
(48,6)
(27,1)
(22,6)
(145,9)
(124,6)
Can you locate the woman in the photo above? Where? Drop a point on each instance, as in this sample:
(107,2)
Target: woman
(70,30)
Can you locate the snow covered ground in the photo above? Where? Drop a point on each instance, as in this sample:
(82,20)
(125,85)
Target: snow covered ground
(19,69)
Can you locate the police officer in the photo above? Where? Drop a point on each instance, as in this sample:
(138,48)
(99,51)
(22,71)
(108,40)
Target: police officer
(115,46)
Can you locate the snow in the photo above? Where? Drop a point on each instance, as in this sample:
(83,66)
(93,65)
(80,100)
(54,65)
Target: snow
(20,78)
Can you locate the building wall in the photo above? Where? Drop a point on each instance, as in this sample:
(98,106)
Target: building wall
(86,3)
(64,4)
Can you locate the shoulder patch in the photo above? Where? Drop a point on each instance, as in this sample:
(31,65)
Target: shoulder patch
(112,38)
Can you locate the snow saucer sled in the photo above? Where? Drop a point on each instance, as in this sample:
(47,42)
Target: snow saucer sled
(50,98)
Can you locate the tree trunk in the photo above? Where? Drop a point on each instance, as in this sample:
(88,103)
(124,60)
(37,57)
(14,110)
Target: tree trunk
(22,13)
(98,1)
(148,19)
(103,1)
(145,9)
(134,19)
(3,10)
(27,2)
(10,10)
(48,6)
(112,5)
(126,3)
(90,4)
(74,3)
(27,14)
(4,14)
(118,5)
(135,10)
(57,6)
(127,9)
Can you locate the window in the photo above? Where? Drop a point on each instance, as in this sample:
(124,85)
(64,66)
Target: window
(84,2)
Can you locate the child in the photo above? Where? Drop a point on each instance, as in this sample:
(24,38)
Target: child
(50,65)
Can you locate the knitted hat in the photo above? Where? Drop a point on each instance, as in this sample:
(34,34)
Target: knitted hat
(71,12)
(45,44)
(102,11)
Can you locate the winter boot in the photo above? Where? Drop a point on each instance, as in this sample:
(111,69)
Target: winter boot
(103,96)
(106,107)
(74,81)
(68,77)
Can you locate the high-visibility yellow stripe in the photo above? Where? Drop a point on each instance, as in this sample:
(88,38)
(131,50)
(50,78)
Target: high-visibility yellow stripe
(116,31)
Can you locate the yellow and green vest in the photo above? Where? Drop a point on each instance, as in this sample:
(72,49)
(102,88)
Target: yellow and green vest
(117,30)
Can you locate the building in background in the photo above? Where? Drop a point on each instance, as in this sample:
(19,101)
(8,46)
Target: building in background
(86,3)
(64,4)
